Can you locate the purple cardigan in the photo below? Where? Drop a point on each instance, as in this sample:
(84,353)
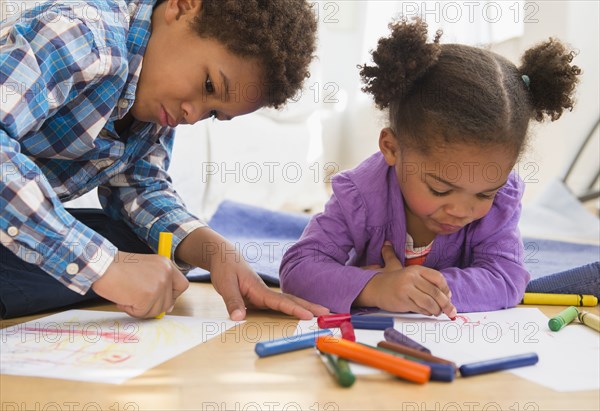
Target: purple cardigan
(482,263)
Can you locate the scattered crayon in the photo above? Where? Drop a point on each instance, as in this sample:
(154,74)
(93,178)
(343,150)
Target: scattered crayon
(580,300)
(589,319)
(347,331)
(287,344)
(400,367)
(395,336)
(439,372)
(371,322)
(332,320)
(563,318)
(339,369)
(498,364)
(413,353)
(365,322)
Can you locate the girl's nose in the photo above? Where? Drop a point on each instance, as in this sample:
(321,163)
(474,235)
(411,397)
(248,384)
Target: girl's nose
(459,209)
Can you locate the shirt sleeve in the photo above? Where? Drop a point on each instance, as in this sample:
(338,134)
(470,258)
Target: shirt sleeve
(144,196)
(315,267)
(494,276)
(45,63)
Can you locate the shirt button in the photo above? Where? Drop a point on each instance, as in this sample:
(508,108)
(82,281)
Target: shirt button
(72,269)
(131,9)
(13,231)
(123,103)
(103,133)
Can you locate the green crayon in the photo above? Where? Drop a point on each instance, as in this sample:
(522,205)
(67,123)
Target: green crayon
(339,368)
(563,318)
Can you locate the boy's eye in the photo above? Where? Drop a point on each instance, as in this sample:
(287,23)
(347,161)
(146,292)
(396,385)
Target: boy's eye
(439,193)
(208,85)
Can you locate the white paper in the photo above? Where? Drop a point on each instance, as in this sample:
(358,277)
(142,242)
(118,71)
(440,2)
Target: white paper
(99,346)
(569,359)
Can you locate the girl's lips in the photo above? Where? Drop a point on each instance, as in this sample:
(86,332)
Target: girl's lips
(449,228)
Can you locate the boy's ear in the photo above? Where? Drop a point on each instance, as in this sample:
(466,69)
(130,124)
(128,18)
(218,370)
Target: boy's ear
(389,146)
(176,9)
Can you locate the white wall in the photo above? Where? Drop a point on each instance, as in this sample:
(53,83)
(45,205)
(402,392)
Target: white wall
(553,145)
(350,124)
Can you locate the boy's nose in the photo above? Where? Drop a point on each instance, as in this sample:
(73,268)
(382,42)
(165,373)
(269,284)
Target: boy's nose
(191,113)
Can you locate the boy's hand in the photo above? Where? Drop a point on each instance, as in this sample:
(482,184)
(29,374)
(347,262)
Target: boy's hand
(241,287)
(415,288)
(142,285)
(235,281)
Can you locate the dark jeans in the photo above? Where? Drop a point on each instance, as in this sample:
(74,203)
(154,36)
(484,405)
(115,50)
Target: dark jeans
(26,289)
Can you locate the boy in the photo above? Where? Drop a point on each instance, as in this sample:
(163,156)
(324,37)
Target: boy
(90,93)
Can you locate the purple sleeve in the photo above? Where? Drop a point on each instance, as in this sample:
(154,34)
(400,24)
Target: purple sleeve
(314,268)
(495,276)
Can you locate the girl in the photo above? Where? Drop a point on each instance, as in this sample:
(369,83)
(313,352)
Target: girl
(91,92)
(440,194)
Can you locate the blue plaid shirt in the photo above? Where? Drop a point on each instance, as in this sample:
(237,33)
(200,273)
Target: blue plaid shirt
(68,71)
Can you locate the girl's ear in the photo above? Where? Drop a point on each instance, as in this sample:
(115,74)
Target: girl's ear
(388,145)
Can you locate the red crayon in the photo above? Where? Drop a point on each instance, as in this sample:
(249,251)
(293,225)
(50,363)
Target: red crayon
(332,320)
(347,331)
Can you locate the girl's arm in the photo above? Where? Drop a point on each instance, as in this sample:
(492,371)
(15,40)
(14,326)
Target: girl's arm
(314,268)
(494,275)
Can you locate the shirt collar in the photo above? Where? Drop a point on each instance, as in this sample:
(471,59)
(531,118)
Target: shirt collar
(140,13)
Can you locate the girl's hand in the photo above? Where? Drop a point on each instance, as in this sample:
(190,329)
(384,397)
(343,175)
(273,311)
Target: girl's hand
(241,287)
(415,288)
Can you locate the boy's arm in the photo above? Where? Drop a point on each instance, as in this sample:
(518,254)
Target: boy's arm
(235,280)
(44,64)
(144,197)
(494,276)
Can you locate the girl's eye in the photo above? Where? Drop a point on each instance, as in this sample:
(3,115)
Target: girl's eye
(208,85)
(482,196)
(439,193)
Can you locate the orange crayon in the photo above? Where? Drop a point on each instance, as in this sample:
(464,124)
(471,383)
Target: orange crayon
(399,367)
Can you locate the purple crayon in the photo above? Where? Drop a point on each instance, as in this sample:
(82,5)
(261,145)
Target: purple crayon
(392,335)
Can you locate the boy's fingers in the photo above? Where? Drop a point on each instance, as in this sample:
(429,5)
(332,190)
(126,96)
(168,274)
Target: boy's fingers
(316,309)
(230,291)
(389,256)
(180,284)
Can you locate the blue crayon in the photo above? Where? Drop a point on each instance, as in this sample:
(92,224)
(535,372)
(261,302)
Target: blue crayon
(498,364)
(440,372)
(286,344)
(395,336)
(371,322)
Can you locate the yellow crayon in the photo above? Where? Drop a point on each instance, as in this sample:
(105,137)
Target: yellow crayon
(589,319)
(165,242)
(579,300)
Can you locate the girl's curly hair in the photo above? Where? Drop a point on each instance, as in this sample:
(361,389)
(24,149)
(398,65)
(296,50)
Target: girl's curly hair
(279,34)
(454,93)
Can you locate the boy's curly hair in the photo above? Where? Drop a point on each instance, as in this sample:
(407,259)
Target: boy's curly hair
(452,93)
(280,34)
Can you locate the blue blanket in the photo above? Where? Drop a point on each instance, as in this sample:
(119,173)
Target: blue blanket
(263,236)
